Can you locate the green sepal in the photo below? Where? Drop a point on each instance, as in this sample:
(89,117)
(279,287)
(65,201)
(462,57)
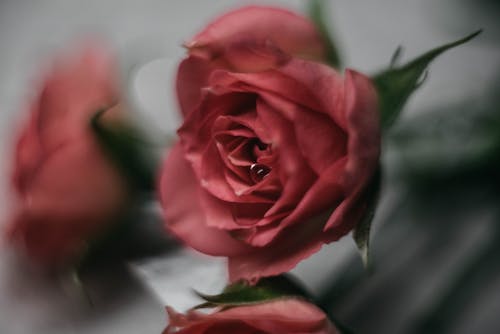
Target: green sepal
(316,10)
(127,150)
(396,84)
(361,232)
(242,293)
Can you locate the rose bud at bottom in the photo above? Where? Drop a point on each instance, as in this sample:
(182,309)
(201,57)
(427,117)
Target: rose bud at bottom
(68,190)
(284,315)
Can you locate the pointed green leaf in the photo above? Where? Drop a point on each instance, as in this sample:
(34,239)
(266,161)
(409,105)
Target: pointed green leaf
(317,8)
(396,57)
(361,233)
(127,150)
(396,84)
(242,293)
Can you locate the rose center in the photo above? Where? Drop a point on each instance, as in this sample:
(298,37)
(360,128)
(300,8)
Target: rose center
(259,145)
(259,172)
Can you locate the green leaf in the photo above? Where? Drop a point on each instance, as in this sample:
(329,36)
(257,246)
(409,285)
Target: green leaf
(396,57)
(316,10)
(242,293)
(361,233)
(396,84)
(127,150)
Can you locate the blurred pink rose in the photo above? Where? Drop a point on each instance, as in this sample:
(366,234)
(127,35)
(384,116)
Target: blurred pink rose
(275,152)
(278,316)
(68,190)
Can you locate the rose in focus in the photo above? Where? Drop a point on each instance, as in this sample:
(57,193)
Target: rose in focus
(279,316)
(277,149)
(68,190)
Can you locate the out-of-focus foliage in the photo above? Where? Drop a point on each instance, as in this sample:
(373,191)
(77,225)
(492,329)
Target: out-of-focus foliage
(317,10)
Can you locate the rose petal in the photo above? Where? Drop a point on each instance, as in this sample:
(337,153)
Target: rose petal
(328,143)
(364,141)
(29,156)
(326,146)
(80,86)
(281,138)
(286,315)
(212,174)
(363,126)
(321,197)
(192,76)
(180,198)
(250,55)
(346,216)
(295,175)
(325,193)
(312,85)
(267,190)
(197,129)
(47,240)
(324,83)
(95,193)
(273,81)
(292,33)
(77,87)
(278,316)
(59,211)
(290,247)
(231,216)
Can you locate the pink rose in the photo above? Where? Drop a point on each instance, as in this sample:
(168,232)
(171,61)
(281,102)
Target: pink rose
(68,189)
(279,316)
(276,151)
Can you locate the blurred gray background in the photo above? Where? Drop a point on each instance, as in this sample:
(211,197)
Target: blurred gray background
(411,267)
